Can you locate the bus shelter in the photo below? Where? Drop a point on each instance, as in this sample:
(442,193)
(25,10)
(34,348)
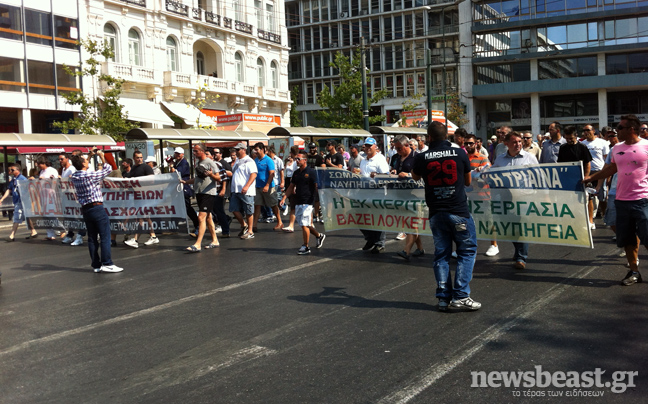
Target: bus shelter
(390,131)
(319,134)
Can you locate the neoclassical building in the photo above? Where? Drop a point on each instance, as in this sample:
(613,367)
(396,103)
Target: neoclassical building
(232,54)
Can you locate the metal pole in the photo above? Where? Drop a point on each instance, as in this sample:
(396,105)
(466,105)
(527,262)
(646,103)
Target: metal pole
(445,95)
(428,85)
(365,103)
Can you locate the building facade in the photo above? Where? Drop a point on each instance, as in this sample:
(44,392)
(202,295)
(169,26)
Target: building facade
(232,55)
(572,61)
(403,38)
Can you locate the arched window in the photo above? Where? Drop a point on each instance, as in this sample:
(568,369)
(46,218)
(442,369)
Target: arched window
(274,73)
(239,67)
(260,72)
(134,48)
(110,38)
(200,63)
(171,54)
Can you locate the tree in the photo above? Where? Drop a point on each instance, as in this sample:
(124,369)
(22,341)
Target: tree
(99,115)
(343,108)
(456,109)
(411,104)
(295,118)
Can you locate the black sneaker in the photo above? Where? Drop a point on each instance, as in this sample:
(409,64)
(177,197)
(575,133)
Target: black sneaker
(303,250)
(443,305)
(631,278)
(368,246)
(320,240)
(376,249)
(244,230)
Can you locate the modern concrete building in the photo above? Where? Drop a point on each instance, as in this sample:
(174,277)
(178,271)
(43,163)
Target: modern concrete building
(572,61)
(401,34)
(232,54)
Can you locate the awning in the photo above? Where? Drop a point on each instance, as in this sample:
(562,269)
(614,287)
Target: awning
(257,127)
(49,150)
(188,113)
(396,130)
(54,139)
(193,134)
(317,132)
(145,111)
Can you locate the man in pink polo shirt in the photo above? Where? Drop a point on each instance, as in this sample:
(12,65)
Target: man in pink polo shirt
(630,160)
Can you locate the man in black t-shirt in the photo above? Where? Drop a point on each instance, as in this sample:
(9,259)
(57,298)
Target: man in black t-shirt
(314,161)
(574,150)
(304,186)
(333,159)
(445,171)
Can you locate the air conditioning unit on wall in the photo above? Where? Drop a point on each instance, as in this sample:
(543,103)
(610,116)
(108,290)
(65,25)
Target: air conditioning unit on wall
(344,14)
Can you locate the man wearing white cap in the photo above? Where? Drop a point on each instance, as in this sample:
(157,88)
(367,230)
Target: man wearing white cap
(181,165)
(150,160)
(374,163)
(244,173)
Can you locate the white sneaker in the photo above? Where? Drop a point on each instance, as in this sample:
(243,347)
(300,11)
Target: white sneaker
(401,236)
(78,240)
(151,241)
(111,268)
(97,270)
(131,242)
(218,230)
(286,209)
(492,251)
(592,226)
(454,254)
(67,240)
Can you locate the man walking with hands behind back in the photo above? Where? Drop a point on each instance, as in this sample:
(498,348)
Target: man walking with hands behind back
(446,173)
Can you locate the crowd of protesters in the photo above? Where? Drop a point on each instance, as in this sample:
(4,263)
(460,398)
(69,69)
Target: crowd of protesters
(261,188)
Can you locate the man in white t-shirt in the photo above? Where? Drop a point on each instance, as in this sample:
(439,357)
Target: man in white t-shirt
(46,171)
(630,160)
(244,173)
(374,163)
(599,150)
(66,170)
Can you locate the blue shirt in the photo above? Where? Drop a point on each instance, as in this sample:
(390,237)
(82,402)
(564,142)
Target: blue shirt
(185,173)
(522,159)
(13,187)
(264,166)
(550,150)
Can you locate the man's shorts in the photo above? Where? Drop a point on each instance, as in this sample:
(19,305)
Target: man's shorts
(632,221)
(19,215)
(266,198)
(610,214)
(240,202)
(304,215)
(205,202)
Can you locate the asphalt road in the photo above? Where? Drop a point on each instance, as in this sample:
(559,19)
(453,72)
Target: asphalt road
(252,322)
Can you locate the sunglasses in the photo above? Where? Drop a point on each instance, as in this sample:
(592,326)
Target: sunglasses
(644,129)
(527,137)
(299,158)
(469,143)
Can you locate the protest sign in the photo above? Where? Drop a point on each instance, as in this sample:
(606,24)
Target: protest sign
(535,204)
(134,205)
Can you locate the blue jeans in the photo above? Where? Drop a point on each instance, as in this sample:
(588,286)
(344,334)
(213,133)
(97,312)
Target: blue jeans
(521,252)
(447,228)
(98,224)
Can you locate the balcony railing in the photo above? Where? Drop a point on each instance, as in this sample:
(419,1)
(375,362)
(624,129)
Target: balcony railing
(196,13)
(243,27)
(136,74)
(141,3)
(227,22)
(269,36)
(212,18)
(177,7)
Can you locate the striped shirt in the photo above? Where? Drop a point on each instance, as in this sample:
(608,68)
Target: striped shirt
(478,160)
(88,184)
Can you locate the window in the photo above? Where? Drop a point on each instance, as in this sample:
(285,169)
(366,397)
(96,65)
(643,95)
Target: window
(171,54)
(626,63)
(134,48)
(260,73)
(67,82)
(270,20)
(67,32)
(110,38)
(39,27)
(200,63)
(239,66)
(11,75)
(41,77)
(274,75)
(258,12)
(238,10)
(10,22)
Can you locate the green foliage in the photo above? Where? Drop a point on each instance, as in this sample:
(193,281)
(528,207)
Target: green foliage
(413,103)
(203,98)
(456,112)
(295,117)
(343,108)
(99,116)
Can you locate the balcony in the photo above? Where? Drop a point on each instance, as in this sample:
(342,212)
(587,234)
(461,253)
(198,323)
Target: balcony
(141,3)
(212,18)
(177,8)
(243,27)
(196,13)
(134,74)
(227,22)
(269,36)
